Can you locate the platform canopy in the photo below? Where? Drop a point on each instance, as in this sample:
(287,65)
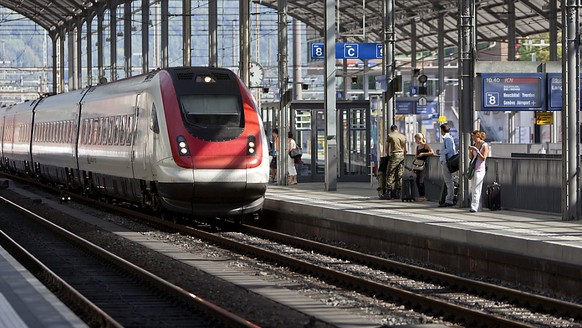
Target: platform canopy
(531,17)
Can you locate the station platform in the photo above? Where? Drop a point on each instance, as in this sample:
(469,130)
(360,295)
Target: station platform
(26,302)
(537,250)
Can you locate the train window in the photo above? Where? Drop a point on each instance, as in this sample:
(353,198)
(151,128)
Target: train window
(154,126)
(116,130)
(123,130)
(104,130)
(71,131)
(95,131)
(212,110)
(60,129)
(85,132)
(129,130)
(110,130)
(51,132)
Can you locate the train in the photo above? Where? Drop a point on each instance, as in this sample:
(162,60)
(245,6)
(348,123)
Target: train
(183,141)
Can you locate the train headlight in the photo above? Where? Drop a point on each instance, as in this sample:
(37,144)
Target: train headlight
(251,145)
(183,146)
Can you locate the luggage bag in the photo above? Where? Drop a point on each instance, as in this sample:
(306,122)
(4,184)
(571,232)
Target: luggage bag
(493,192)
(408,189)
(493,196)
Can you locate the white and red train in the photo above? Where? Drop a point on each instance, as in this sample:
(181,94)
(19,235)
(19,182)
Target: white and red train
(185,140)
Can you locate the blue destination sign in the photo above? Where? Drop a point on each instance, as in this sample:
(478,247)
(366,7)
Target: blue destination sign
(404,107)
(555,91)
(416,105)
(431,107)
(514,91)
(365,50)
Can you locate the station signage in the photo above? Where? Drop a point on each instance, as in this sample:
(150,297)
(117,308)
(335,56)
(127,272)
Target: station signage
(555,91)
(365,50)
(404,107)
(416,105)
(513,91)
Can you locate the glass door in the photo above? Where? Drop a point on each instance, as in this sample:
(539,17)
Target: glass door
(354,151)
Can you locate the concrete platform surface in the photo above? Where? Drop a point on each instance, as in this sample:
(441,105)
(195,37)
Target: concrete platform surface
(484,242)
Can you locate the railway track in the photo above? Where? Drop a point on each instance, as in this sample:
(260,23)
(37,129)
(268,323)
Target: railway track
(458,299)
(465,301)
(104,289)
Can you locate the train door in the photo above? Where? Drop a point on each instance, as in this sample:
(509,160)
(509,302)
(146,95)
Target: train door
(142,135)
(354,134)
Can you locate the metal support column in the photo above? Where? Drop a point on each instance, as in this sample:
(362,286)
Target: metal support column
(389,63)
(62,61)
(570,109)
(54,39)
(331,146)
(187,32)
(245,41)
(127,49)
(297,78)
(347,80)
(441,61)
(512,135)
(466,72)
(100,40)
(72,49)
(145,36)
(213,33)
(78,54)
(283,79)
(113,39)
(413,54)
(164,37)
(553,21)
(89,50)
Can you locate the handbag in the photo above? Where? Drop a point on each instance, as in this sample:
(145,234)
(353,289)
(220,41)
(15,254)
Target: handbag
(453,163)
(471,170)
(296,152)
(418,164)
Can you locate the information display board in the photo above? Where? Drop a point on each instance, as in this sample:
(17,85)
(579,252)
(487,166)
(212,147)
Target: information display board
(513,91)
(417,105)
(555,91)
(404,107)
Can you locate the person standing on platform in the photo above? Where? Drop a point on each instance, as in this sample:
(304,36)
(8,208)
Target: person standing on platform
(423,151)
(396,148)
(447,150)
(478,151)
(275,151)
(291,161)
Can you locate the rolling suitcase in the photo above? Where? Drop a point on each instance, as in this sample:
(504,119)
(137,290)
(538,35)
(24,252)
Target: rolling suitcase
(408,189)
(493,196)
(493,192)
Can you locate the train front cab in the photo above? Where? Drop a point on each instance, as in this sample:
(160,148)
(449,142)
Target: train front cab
(216,138)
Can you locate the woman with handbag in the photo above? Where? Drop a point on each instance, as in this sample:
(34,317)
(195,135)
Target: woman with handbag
(478,153)
(423,151)
(291,170)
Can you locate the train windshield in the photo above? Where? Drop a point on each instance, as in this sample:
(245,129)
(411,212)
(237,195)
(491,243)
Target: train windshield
(212,110)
